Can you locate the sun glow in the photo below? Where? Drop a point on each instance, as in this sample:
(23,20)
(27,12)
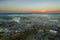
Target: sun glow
(43,10)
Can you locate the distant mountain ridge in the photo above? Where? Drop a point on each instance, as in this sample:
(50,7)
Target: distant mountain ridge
(22,13)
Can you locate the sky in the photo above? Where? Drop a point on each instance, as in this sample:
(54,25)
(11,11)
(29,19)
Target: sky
(29,5)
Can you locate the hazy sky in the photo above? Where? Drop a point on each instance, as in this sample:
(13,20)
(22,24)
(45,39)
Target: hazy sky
(29,4)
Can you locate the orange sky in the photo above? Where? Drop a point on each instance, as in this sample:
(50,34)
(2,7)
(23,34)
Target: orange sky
(29,5)
(29,10)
